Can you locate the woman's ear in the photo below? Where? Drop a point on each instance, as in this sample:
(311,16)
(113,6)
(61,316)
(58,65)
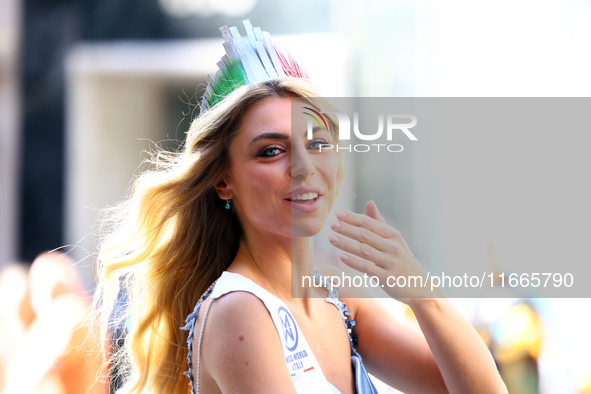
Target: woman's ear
(224,190)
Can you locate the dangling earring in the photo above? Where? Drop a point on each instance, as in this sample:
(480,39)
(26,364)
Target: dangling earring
(227,203)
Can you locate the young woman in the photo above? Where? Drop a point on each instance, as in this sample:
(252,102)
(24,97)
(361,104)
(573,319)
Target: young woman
(227,224)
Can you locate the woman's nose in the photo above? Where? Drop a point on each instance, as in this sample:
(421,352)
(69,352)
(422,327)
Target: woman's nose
(302,165)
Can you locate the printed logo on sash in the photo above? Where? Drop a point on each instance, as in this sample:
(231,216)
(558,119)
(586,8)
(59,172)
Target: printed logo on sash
(288,326)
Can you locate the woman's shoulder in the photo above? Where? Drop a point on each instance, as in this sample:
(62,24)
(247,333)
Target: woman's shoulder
(239,307)
(236,305)
(234,311)
(239,342)
(232,299)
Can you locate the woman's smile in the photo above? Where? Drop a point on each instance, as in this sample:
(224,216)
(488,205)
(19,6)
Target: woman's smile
(304,199)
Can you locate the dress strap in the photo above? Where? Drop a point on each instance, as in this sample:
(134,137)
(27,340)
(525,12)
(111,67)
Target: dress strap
(363,383)
(333,298)
(190,326)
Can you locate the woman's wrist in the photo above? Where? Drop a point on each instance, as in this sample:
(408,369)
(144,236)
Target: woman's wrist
(424,304)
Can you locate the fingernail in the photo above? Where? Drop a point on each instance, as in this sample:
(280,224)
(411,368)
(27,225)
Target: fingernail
(340,214)
(335,225)
(333,239)
(344,258)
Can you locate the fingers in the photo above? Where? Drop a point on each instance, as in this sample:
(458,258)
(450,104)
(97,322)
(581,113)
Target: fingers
(360,265)
(360,234)
(362,250)
(375,224)
(371,210)
(367,239)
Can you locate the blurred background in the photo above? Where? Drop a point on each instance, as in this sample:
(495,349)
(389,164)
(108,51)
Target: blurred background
(87,85)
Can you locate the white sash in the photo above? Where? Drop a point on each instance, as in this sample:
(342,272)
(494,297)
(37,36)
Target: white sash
(306,375)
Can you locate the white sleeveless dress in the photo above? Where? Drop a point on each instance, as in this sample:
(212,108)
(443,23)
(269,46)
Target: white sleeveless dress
(305,372)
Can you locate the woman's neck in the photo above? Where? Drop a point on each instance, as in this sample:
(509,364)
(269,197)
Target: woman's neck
(277,265)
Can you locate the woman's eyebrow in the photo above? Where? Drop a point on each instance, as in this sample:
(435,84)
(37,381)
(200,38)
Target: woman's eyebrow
(315,130)
(271,136)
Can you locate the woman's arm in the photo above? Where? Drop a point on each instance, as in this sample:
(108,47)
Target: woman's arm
(241,349)
(393,351)
(450,342)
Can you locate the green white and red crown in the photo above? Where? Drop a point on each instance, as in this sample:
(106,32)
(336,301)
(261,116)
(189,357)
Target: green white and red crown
(250,59)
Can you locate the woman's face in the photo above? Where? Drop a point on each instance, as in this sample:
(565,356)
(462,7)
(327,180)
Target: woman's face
(280,182)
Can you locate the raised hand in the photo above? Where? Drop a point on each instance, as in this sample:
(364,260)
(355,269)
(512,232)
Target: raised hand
(371,246)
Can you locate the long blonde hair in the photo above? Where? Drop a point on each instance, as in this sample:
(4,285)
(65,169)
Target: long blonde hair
(170,241)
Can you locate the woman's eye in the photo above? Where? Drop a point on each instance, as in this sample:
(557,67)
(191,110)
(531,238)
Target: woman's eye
(318,145)
(270,152)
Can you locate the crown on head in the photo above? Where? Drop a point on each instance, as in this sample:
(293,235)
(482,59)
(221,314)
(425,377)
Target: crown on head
(250,59)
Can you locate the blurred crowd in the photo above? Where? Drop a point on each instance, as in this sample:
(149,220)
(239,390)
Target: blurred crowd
(45,346)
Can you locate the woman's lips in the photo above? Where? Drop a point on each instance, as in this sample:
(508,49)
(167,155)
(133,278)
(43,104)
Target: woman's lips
(303,196)
(304,199)
(305,206)
(303,193)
